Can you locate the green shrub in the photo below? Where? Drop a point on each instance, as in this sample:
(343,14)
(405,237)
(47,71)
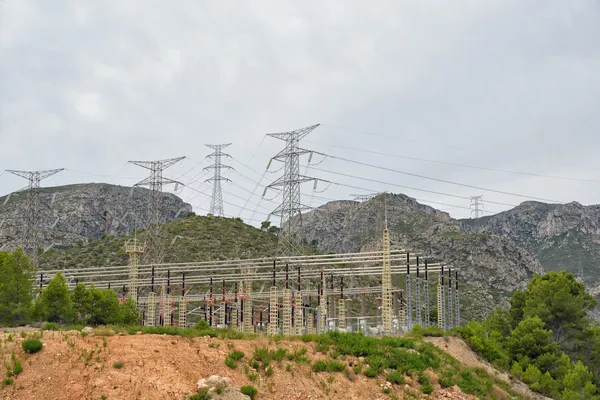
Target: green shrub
(230,362)
(386,390)
(249,391)
(201,395)
(17,366)
(336,366)
(426,386)
(371,372)
(445,382)
(118,365)
(203,325)
(319,366)
(7,381)
(236,355)
(31,346)
(395,377)
(269,371)
(50,326)
(279,354)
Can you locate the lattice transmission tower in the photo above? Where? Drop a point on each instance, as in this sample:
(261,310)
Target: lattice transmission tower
(216,202)
(476,206)
(291,207)
(32,224)
(154,251)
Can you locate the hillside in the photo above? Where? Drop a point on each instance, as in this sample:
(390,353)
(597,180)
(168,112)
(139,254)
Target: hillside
(73,366)
(78,212)
(562,236)
(493,266)
(192,238)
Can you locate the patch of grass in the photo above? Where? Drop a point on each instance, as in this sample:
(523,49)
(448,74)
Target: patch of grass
(236,355)
(118,365)
(336,366)
(395,377)
(31,346)
(17,366)
(269,371)
(253,377)
(50,326)
(426,386)
(249,391)
(230,362)
(214,345)
(371,372)
(319,366)
(7,382)
(386,390)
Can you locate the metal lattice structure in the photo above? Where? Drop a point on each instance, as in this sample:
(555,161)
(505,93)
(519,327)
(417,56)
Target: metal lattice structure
(476,206)
(290,209)
(386,285)
(216,201)
(427,299)
(409,306)
(154,244)
(134,250)
(449,313)
(31,235)
(441,302)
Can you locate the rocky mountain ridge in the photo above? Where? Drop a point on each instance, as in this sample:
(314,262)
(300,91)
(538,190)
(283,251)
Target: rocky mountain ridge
(562,236)
(492,266)
(78,212)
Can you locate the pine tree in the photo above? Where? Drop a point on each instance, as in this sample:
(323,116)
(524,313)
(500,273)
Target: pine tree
(16,283)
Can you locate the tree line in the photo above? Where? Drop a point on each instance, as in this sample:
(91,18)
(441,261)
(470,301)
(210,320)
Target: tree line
(56,303)
(545,338)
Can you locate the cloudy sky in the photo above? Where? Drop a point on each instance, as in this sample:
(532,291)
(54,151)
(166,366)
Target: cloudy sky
(498,96)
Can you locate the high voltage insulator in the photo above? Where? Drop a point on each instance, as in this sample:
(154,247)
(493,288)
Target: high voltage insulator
(216,201)
(31,228)
(154,245)
(291,208)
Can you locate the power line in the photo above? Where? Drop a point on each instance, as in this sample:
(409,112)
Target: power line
(457,164)
(396,185)
(440,180)
(454,147)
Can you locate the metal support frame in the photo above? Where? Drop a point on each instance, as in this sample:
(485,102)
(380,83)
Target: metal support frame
(427,300)
(386,286)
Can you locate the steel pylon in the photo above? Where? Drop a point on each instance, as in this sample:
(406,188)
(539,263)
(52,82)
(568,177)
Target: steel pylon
(290,209)
(31,226)
(216,202)
(154,244)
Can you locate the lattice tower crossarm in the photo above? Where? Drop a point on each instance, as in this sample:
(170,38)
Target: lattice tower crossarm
(216,201)
(386,286)
(155,247)
(31,235)
(291,207)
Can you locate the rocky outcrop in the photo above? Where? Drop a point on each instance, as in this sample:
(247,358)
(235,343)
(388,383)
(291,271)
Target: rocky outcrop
(492,266)
(77,212)
(562,236)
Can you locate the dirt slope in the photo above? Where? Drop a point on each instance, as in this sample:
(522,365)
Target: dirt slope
(458,349)
(168,367)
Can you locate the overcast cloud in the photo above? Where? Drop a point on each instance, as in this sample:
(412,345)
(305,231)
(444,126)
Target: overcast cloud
(510,84)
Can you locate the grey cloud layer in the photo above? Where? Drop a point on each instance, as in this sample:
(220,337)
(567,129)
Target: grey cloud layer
(89,85)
